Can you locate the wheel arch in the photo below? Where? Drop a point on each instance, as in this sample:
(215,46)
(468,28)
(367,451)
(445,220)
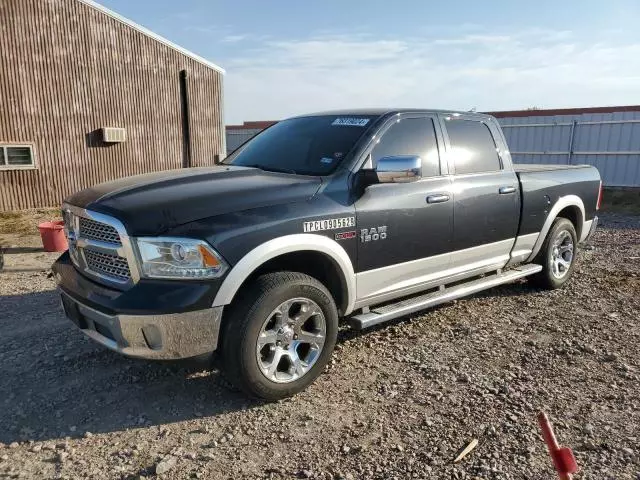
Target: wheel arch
(570,207)
(575,216)
(315,255)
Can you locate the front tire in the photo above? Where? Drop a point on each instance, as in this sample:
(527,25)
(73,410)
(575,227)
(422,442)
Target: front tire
(557,255)
(279,335)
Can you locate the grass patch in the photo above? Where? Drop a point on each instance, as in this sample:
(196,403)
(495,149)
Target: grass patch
(26,222)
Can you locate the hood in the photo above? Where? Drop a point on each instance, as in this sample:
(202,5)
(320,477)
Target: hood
(152,203)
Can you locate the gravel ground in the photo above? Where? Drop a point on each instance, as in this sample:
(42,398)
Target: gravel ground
(396,402)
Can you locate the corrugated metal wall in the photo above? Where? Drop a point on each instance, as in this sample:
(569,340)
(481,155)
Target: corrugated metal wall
(236,137)
(608,141)
(66,70)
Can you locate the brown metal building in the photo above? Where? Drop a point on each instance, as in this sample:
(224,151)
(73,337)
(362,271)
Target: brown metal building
(88,96)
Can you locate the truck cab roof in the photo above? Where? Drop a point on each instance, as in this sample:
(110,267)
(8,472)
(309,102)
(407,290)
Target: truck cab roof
(383,112)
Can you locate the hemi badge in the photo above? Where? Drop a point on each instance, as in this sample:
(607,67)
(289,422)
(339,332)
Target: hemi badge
(346,235)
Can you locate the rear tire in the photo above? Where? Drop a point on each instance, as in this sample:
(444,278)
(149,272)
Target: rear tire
(279,335)
(557,255)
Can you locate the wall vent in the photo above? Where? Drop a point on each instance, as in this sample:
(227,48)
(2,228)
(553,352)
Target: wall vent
(114,135)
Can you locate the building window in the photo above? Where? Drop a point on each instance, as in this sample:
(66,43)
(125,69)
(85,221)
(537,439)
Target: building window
(16,157)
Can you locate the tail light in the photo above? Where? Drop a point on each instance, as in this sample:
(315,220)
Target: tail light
(599,197)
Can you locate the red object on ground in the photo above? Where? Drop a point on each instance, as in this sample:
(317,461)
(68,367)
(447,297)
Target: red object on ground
(562,457)
(53,238)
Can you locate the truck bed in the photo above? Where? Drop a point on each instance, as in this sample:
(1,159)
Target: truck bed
(543,185)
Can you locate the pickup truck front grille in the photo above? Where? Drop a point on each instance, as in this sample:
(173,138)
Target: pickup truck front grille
(99,247)
(107,265)
(93,230)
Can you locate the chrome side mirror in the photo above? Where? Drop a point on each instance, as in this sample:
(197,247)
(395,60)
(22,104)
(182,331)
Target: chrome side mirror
(399,169)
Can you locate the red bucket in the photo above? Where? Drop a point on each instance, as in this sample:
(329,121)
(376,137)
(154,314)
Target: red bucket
(53,239)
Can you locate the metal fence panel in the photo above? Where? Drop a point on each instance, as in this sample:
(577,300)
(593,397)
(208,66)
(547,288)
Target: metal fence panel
(608,141)
(235,138)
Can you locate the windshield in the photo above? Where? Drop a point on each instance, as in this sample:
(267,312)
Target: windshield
(306,146)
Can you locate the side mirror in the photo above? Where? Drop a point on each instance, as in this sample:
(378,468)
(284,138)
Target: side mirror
(399,169)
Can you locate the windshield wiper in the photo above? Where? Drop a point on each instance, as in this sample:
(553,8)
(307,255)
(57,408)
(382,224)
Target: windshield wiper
(271,169)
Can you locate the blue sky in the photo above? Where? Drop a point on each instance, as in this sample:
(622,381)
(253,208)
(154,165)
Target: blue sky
(289,57)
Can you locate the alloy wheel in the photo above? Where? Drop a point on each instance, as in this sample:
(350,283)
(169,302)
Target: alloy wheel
(291,340)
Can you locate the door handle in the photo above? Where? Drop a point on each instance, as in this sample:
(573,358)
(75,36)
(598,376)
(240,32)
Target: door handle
(506,190)
(440,198)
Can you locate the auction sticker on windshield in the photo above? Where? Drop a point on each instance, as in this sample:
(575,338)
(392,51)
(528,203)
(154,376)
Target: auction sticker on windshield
(350,122)
(329,224)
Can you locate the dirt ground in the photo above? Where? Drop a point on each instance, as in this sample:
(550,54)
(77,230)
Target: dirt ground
(25,222)
(396,402)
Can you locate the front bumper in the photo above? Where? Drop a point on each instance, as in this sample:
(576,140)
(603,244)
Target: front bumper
(160,337)
(154,319)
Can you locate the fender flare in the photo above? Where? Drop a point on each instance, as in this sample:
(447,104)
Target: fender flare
(561,204)
(280,246)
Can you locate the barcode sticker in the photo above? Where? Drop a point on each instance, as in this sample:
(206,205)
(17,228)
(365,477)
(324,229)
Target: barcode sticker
(350,122)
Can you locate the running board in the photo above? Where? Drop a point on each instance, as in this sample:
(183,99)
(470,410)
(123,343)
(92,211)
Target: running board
(411,305)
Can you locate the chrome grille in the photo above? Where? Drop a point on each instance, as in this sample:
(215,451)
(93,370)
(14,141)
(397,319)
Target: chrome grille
(99,247)
(92,230)
(109,265)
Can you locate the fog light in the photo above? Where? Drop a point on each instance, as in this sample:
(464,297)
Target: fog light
(153,337)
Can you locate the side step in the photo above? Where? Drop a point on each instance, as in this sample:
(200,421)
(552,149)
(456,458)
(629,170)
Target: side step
(414,304)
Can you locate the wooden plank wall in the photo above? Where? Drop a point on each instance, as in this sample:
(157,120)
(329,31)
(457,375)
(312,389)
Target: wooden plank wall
(67,70)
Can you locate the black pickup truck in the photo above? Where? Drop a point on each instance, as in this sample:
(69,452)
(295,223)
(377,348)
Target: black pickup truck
(357,215)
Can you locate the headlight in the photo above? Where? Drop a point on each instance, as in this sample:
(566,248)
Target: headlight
(179,258)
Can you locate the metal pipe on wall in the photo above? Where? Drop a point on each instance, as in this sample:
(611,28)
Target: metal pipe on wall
(186,121)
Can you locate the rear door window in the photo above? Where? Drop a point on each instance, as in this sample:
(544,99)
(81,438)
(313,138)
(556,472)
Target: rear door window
(473,148)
